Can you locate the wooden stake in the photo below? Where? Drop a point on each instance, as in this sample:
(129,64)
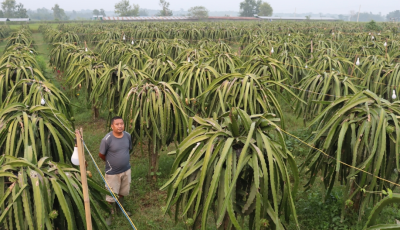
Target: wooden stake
(311,49)
(82,167)
(386,48)
(352,69)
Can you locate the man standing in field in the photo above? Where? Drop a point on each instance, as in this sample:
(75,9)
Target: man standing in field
(114,150)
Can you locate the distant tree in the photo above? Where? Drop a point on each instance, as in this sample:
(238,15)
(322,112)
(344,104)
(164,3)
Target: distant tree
(40,14)
(365,17)
(250,7)
(393,15)
(342,17)
(102,12)
(21,12)
(165,9)
(1,14)
(308,17)
(135,10)
(143,12)
(8,7)
(124,9)
(265,9)
(45,14)
(96,12)
(59,13)
(372,26)
(198,12)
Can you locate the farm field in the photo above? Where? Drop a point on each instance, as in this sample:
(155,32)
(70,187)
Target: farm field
(235,125)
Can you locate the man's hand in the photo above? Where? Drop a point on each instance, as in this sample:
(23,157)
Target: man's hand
(103,157)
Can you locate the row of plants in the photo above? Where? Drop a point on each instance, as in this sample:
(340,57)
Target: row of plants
(351,57)
(4,31)
(221,110)
(39,187)
(230,31)
(159,116)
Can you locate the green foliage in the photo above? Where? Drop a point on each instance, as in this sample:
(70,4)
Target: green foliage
(102,12)
(372,26)
(38,188)
(161,68)
(317,62)
(265,9)
(365,17)
(35,133)
(124,9)
(96,12)
(194,78)
(21,11)
(165,11)
(155,113)
(47,195)
(31,92)
(85,73)
(113,85)
(240,157)
(319,213)
(393,15)
(113,52)
(59,13)
(248,92)
(198,12)
(250,7)
(376,212)
(62,54)
(360,130)
(8,7)
(22,36)
(330,87)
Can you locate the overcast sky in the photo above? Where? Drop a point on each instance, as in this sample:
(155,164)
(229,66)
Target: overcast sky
(279,6)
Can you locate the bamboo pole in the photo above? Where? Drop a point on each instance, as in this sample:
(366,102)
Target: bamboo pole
(82,167)
(386,48)
(352,69)
(312,49)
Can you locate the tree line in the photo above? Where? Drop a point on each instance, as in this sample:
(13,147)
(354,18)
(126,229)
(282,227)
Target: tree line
(10,9)
(248,8)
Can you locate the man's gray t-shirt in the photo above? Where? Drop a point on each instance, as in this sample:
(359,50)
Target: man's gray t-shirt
(116,151)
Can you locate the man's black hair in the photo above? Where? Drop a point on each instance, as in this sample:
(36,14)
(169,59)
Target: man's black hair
(116,118)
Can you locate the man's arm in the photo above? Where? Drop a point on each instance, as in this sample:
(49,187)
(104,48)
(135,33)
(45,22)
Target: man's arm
(130,143)
(103,150)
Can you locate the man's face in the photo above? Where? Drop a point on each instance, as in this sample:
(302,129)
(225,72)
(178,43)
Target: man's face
(118,126)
